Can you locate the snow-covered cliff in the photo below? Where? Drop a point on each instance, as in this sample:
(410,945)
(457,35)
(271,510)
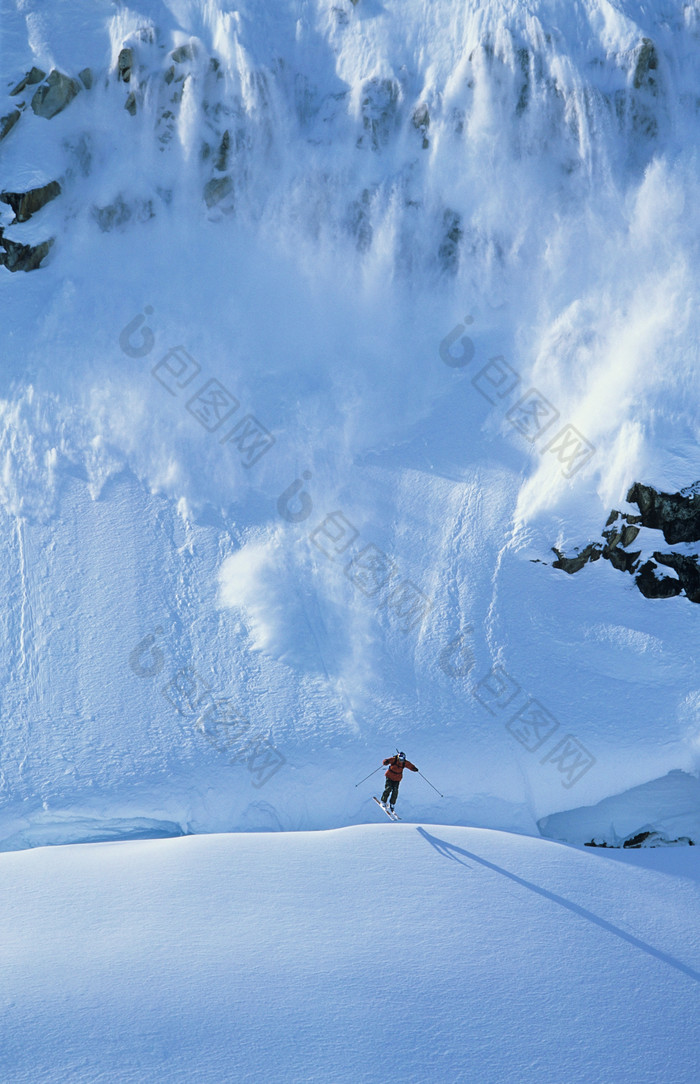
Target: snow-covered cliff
(337,318)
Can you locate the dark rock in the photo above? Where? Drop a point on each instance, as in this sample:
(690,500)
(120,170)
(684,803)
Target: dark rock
(687,569)
(524,95)
(30,79)
(379,111)
(169,75)
(24,204)
(224,148)
(85,77)
(54,95)
(646,66)
(574,564)
(8,122)
(621,560)
(676,514)
(130,104)
(19,257)
(117,214)
(644,839)
(628,535)
(217,189)
(421,121)
(624,516)
(183,53)
(448,252)
(125,64)
(652,586)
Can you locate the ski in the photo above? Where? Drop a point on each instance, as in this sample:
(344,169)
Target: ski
(390,815)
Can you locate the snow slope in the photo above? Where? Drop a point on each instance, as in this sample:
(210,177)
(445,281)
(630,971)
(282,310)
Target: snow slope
(435,953)
(180,616)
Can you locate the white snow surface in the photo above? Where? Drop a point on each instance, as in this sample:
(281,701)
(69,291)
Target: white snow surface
(435,953)
(170,634)
(371,229)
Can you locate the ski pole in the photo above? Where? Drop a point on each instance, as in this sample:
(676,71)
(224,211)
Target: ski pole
(370,774)
(431,785)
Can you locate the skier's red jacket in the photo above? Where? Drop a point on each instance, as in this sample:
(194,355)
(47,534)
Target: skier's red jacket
(396,768)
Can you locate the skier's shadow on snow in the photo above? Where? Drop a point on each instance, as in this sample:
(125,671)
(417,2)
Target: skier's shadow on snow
(447,850)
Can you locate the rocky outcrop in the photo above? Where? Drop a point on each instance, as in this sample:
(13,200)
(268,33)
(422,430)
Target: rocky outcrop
(18,257)
(216,190)
(183,53)
(54,95)
(646,67)
(115,215)
(24,204)
(379,109)
(33,76)
(653,586)
(644,839)
(125,64)
(573,564)
(421,121)
(676,515)
(448,252)
(8,122)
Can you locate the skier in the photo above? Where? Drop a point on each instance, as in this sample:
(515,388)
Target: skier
(393,777)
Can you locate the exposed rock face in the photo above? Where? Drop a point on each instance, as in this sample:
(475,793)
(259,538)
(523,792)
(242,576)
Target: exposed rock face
(688,572)
(653,586)
(125,64)
(35,75)
(117,214)
(573,564)
(216,190)
(676,515)
(8,122)
(183,53)
(224,148)
(24,204)
(421,121)
(54,95)
(448,252)
(379,112)
(19,257)
(646,66)
(85,77)
(645,839)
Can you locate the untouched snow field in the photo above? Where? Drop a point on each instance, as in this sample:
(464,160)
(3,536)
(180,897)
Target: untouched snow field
(271,506)
(353,956)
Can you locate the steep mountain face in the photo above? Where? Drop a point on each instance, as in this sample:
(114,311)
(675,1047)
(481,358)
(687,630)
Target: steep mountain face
(322,323)
(677,516)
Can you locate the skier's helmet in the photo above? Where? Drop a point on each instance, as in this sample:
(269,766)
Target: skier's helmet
(402,756)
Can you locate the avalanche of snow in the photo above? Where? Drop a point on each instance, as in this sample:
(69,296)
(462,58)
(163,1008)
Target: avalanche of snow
(346,313)
(426,212)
